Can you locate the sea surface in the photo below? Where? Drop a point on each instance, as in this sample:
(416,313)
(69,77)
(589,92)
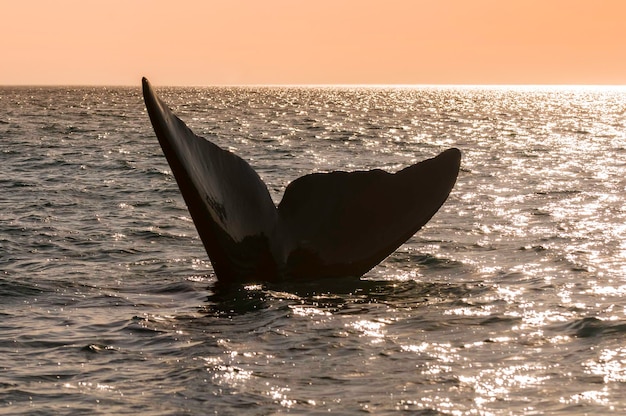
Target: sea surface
(511,300)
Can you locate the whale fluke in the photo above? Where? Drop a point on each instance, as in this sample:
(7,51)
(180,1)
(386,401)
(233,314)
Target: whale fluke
(327,224)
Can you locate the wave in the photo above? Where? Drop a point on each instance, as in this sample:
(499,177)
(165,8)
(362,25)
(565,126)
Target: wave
(590,327)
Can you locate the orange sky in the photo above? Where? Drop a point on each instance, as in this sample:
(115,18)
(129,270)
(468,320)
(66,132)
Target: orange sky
(196,42)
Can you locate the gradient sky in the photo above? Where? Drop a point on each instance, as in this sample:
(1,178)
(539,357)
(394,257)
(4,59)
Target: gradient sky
(204,42)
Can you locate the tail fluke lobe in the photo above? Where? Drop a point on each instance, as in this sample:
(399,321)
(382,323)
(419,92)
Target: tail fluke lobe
(228,202)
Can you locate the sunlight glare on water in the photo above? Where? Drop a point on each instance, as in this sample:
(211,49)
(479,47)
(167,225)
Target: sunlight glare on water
(511,300)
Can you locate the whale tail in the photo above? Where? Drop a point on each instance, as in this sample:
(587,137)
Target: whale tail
(327,224)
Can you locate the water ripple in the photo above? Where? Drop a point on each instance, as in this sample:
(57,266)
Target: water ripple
(511,300)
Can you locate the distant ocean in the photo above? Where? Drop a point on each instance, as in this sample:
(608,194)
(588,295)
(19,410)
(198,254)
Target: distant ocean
(512,299)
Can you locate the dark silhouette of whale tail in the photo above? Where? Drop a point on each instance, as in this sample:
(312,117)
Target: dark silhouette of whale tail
(327,224)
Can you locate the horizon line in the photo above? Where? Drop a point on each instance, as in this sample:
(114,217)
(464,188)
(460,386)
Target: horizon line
(326,85)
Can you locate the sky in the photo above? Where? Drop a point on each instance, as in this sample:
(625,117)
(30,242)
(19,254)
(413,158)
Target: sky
(286,42)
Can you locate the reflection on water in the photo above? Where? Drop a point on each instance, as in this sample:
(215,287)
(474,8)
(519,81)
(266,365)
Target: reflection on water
(510,301)
(610,365)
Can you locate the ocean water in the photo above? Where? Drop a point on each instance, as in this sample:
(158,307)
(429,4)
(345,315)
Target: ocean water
(512,299)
